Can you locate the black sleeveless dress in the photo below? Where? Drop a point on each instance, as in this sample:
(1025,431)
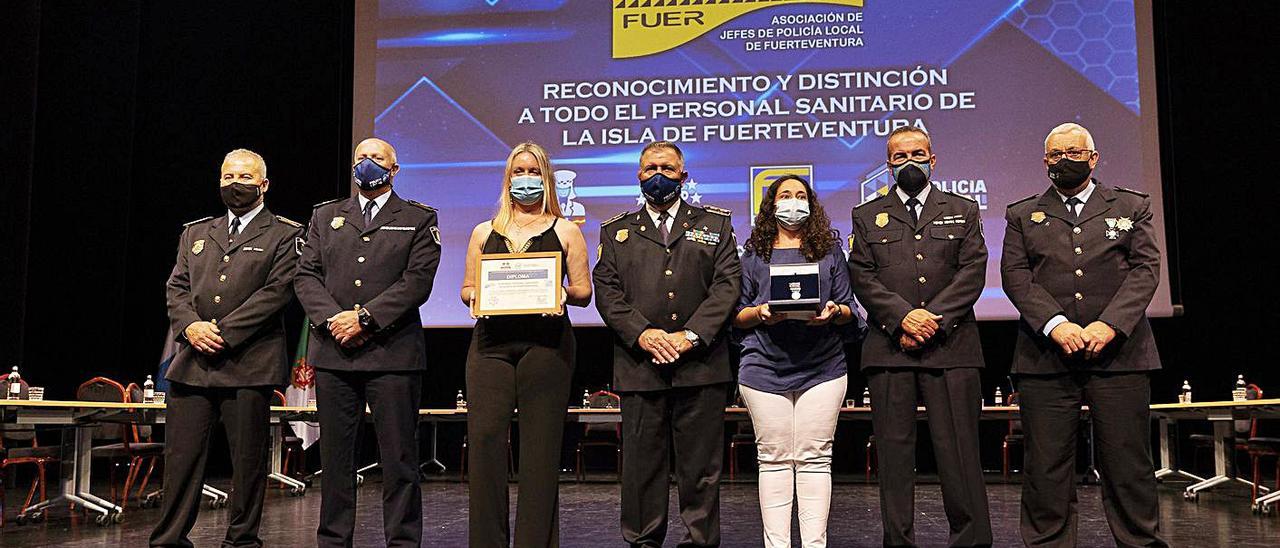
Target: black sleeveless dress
(510,336)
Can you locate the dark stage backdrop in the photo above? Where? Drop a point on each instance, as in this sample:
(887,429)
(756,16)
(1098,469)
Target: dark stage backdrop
(115,117)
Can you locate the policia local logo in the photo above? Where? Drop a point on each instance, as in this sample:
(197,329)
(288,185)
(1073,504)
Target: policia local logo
(646,27)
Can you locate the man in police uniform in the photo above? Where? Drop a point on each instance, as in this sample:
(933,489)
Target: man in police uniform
(368,264)
(233,276)
(1081,265)
(918,264)
(666,282)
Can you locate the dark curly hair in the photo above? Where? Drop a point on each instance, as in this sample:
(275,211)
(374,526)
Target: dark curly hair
(817,239)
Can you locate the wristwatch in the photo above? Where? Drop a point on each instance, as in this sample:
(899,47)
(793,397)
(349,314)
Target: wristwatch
(364,317)
(691,337)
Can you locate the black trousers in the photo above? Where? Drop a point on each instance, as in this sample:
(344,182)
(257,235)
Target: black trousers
(192,412)
(689,421)
(537,379)
(1118,407)
(393,398)
(952,398)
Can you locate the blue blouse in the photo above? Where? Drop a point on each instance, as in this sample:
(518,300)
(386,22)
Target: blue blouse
(791,356)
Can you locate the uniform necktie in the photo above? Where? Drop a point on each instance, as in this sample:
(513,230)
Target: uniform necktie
(911,206)
(368,212)
(235,229)
(662,226)
(1072,204)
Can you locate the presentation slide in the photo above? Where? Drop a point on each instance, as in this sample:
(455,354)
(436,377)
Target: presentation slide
(750,90)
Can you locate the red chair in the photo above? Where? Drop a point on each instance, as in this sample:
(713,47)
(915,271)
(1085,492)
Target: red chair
(743,434)
(142,434)
(1014,437)
(18,446)
(600,434)
(291,444)
(123,445)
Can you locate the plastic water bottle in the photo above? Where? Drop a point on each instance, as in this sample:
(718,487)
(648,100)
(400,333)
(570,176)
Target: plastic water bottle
(586,399)
(999,397)
(1185,396)
(460,402)
(15,385)
(1239,394)
(866,397)
(149,391)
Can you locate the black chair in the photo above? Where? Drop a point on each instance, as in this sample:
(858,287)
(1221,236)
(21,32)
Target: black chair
(1236,442)
(600,434)
(19,446)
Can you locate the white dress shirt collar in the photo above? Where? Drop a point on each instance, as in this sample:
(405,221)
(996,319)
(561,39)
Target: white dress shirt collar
(381,202)
(671,212)
(244,219)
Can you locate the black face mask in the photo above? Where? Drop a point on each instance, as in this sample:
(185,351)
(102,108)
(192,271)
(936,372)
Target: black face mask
(1069,173)
(240,195)
(912,177)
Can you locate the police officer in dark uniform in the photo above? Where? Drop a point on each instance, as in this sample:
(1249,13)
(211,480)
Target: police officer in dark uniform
(233,276)
(1081,265)
(666,282)
(368,264)
(918,263)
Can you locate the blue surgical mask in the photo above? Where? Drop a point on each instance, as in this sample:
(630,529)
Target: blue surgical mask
(369,175)
(660,189)
(526,189)
(791,212)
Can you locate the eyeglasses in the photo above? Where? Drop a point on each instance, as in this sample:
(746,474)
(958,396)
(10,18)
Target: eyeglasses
(1074,154)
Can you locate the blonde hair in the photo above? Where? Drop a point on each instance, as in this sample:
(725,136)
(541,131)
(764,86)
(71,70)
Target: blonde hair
(506,207)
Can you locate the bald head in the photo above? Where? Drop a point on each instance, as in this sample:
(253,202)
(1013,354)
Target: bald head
(378,150)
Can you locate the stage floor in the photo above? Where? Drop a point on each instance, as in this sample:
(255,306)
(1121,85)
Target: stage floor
(589,518)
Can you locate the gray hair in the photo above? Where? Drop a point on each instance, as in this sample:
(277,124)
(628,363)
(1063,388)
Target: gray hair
(250,153)
(1068,129)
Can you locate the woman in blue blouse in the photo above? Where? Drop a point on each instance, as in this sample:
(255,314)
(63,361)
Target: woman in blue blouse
(792,373)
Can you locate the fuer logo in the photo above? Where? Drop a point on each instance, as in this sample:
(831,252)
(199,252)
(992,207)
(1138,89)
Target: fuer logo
(646,27)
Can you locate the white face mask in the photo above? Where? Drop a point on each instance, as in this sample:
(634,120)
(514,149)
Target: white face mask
(791,212)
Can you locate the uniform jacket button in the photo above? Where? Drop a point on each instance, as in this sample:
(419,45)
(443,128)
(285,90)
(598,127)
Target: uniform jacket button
(217,299)
(1075,230)
(222,278)
(919,236)
(674,316)
(1079,273)
(919,257)
(668,272)
(358,283)
(1079,297)
(671,294)
(226,258)
(922,279)
(1079,251)
(359,259)
(366,238)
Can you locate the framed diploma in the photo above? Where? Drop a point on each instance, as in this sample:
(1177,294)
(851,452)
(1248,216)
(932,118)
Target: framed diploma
(794,290)
(518,283)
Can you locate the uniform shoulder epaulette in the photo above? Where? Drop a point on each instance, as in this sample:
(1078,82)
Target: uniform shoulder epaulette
(1132,191)
(1014,203)
(961,196)
(422,205)
(288,221)
(718,210)
(325,203)
(871,201)
(196,222)
(614,218)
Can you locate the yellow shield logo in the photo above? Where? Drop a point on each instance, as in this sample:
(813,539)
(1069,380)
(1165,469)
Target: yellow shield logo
(337,222)
(1037,217)
(882,219)
(622,235)
(197,247)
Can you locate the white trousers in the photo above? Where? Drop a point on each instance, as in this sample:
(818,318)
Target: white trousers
(794,435)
